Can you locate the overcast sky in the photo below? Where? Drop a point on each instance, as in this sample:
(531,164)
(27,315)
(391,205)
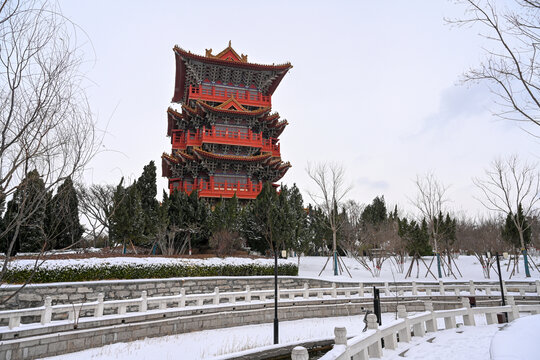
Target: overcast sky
(375,86)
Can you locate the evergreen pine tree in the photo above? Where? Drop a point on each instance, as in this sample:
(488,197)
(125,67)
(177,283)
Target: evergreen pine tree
(146,185)
(416,237)
(510,232)
(63,225)
(25,216)
(300,240)
(375,213)
(127,223)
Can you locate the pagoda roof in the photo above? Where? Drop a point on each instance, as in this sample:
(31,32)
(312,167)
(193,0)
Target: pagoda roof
(273,74)
(205,154)
(227,54)
(220,61)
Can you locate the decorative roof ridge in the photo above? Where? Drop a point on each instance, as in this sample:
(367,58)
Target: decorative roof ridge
(242,58)
(231,100)
(169,157)
(230,111)
(284,66)
(172,111)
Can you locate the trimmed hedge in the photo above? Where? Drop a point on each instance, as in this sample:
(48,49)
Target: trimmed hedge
(154,271)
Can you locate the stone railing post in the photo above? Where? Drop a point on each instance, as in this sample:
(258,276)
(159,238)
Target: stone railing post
(488,290)
(491,318)
(522,291)
(401,311)
(299,353)
(47,311)
(182,302)
(468,319)
(449,322)
(14,321)
(340,335)
(387,290)
(98,312)
(248,293)
(334,290)
(143,307)
(216,296)
(428,290)
(514,313)
(538,287)
(457,291)
(414,288)
(472,289)
(360,290)
(431,323)
(419,329)
(374,350)
(441,287)
(405,333)
(306,291)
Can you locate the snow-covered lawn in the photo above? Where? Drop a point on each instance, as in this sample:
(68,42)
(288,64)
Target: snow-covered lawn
(213,343)
(468,266)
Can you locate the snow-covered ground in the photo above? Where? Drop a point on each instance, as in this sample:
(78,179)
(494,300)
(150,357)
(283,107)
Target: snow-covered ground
(463,342)
(469,267)
(518,340)
(310,266)
(214,343)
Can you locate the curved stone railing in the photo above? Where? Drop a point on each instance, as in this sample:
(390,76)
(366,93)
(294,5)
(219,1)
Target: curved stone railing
(369,344)
(97,309)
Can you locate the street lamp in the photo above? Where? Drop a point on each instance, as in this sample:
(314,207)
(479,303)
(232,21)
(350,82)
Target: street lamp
(276,321)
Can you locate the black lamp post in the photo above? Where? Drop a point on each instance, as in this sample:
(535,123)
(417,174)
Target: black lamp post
(276,321)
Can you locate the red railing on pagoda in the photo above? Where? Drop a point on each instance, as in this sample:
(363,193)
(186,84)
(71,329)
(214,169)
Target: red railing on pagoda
(221,94)
(181,139)
(249,190)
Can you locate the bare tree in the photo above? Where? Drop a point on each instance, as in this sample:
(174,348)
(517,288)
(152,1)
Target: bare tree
(97,205)
(430,201)
(329,197)
(508,185)
(351,229)
(483,238)
(511,66)
(45,120)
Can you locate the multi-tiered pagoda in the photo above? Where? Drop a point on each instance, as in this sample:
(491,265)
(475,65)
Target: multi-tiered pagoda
(225,140)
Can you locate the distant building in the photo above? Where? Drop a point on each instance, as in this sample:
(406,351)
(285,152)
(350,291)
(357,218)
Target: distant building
(223,134)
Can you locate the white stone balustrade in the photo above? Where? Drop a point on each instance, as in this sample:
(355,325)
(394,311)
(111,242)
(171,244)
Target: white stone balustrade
(143,304)
(369,345)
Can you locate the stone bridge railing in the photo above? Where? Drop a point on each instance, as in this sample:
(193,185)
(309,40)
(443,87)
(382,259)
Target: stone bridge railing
(370,343)
(47,313)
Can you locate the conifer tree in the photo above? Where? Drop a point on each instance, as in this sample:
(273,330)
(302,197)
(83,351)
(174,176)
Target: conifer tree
(63,225)
(27,224)
(416,237)
(300,239)
(375,213)
(510,232)
(127,223)
(146,185)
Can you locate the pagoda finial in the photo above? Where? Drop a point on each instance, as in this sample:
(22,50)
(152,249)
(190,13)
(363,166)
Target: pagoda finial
(229,43)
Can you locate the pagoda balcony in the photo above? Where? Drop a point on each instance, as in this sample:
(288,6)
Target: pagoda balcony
(221,94)
(248,190)
(182,139)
